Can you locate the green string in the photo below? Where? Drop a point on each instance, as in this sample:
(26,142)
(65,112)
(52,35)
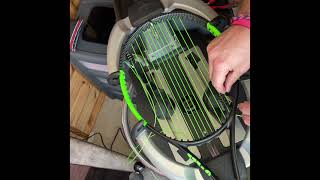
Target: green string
(175,85)
(170,89)
(195,97)
(195,62)
(217,34)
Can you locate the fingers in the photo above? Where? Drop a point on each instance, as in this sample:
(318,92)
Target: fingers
(244,108)
(210,69)
(231,79)
(211,57)
(217,69)
(246,119)
(218,76)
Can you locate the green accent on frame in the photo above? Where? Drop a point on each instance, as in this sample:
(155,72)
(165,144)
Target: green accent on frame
(126,96)
(198,163)
(214,31)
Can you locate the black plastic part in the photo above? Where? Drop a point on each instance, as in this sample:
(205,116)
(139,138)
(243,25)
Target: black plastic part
(221,23)
(141,11)
(113,79)
(138,167)
(120,8)
(99,25)
(222,166)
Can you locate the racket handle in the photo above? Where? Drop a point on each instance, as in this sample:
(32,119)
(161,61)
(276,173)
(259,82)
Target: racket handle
(218,25)
(203,168)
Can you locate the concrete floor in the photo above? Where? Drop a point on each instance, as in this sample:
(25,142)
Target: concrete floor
(108,122)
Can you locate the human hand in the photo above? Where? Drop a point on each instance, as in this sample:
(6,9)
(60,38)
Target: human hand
(229,57)
(245,109)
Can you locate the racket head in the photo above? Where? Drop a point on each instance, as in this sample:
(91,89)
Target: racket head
(165,61)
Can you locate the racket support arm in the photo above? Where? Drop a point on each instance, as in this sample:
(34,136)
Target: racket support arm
(168,167)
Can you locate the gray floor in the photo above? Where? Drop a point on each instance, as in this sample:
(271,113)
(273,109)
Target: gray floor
(108,122)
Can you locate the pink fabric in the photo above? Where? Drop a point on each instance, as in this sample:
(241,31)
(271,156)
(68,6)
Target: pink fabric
(242,22)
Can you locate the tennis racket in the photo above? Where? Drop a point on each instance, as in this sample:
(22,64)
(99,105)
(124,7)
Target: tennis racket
(165,61)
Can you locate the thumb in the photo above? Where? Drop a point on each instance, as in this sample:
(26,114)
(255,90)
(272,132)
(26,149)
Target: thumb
(231,79)
(245,108)
(219,73)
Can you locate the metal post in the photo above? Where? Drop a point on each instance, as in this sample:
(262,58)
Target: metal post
(84,153)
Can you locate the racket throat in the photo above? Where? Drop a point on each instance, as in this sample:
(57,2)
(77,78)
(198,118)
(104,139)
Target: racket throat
(161,161)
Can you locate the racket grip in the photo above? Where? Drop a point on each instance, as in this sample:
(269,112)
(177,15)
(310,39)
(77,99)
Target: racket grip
(218,25)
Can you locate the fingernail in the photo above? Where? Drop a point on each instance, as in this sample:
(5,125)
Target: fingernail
(228,89)
(224,91)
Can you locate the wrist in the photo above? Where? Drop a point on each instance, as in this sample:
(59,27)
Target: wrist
(241,21)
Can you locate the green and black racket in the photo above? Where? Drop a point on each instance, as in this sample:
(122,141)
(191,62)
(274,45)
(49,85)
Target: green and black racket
(165,61)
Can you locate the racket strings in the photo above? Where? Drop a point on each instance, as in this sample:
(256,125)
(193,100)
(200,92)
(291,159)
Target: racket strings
(154,79)
(170,69)
(193,58)
(149,82)
(166,67)
(204,65)
(184,66)
(203,126)
(202,61)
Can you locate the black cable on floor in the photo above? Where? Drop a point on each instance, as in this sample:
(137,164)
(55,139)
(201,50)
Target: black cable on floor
(100,139)
(115,137)
(104,145)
